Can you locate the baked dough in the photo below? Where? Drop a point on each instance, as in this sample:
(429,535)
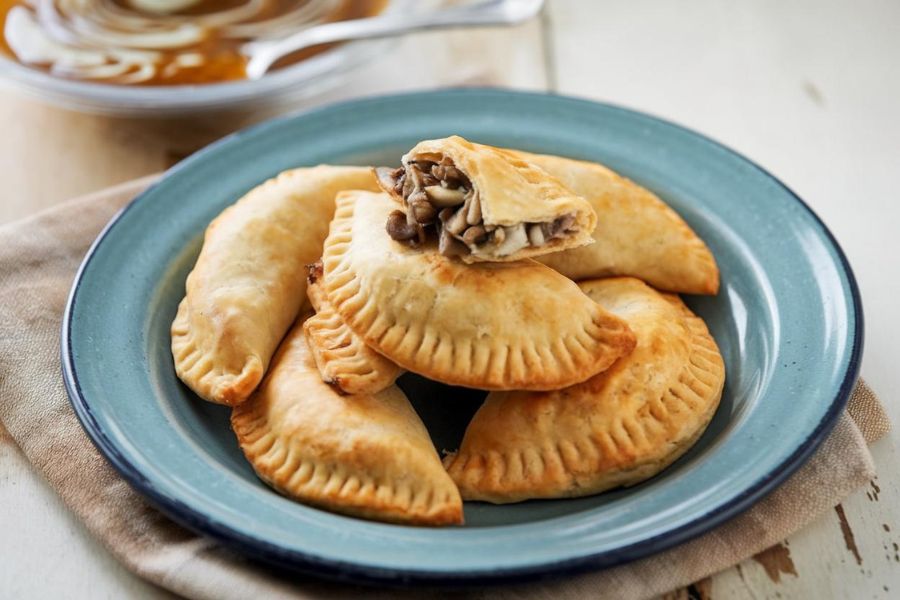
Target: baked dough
(636,234)
(250,279)
(495,326)
(363,455)
(616,429)
(343,359)
(486,204)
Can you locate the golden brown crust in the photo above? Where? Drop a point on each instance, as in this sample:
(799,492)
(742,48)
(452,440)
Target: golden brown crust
(618,428)
(511,191)
(363,455)
(637,234)
(489,326)
(344,361)
(249,282)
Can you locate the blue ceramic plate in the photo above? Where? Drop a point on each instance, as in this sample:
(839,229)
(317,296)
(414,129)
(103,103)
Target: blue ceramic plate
(788,321)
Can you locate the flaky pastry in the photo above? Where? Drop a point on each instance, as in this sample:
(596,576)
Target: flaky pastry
(616,429)
(342,357)
(367,455)
(249,282)
(637,234)
(489,325)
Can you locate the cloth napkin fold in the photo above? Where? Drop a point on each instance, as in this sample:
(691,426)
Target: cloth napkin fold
(38,260)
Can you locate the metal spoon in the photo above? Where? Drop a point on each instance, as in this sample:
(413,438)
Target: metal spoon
(263,54)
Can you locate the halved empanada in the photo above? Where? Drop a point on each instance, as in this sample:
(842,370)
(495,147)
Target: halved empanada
(618,428)
(487,204)
(343,359)
(636,234)
(489,325)
(250,279)
(363,455)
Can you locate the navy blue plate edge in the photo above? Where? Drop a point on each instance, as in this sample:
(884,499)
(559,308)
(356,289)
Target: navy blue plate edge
(356,573)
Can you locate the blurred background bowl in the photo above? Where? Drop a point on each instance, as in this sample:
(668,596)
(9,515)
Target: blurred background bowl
(283,87)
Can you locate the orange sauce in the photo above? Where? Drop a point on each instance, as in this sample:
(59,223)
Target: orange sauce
(221,56)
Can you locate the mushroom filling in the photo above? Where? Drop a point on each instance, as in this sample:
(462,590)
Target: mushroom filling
(439,194)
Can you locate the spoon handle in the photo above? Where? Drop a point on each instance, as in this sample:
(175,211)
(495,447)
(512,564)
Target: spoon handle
(264,54)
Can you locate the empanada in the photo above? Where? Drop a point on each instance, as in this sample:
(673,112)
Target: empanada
(343,359)
(618,428)
(487,204)
(636,234)
(488,325)
(363,455)
(250,279)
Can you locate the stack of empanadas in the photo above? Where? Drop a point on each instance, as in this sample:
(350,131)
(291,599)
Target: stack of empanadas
(319,288)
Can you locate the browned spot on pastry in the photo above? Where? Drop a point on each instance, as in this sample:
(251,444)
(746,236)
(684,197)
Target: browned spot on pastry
(776,561)
(443,273)
(314,272)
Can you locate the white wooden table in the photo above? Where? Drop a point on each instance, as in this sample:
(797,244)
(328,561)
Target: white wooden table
(809,89)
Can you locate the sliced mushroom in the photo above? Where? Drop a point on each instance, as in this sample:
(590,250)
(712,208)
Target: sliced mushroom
(456,224)
(473,214)
(558,226)
(515,239)
(436,192)
(408,187)
(449,245)
(415,176)
(536,234)
(399,229)
(448,173)
(444,197)
(474,235)
(388,177)
(422,210)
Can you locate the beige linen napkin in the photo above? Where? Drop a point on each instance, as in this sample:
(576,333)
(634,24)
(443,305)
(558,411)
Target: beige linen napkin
(38,259)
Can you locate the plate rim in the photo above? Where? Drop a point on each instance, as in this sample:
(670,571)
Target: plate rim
(260,548)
